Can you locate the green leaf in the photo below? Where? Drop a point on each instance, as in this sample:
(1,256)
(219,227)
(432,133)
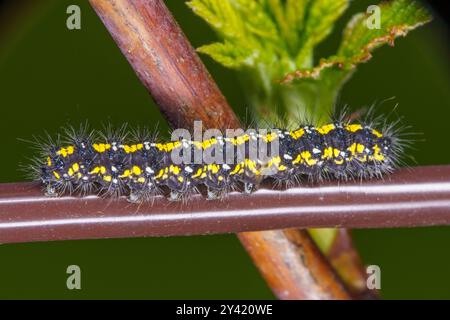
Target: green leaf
(250,35)
(257,21)
(295,13)
(398,17)
(321,16)
(221,15)
(229,55)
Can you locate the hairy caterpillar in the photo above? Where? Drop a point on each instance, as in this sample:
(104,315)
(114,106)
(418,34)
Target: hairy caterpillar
(89,162)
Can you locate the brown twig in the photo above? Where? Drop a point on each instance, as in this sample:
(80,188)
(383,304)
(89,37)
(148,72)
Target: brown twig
(409,198)
(168,66)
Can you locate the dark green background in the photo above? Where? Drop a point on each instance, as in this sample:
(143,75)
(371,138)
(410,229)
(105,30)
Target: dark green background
(50,76)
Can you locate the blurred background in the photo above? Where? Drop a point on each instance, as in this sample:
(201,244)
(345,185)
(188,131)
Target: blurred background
(51,76)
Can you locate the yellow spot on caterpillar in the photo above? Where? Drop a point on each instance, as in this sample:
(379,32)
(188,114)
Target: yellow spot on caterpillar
(298,159)
(330,152)
(336,152)
(199,172)
(251,165)
(107,178)
(326,128)
(66,151)
(275,161)
(377,153)
(203,175)
(128,148)
(240,140)
(353,127)
(297,134)
(339,161)
(136,170)
(214,168)
(101,147)
(141,180)
(76,167)
(49,162)
(236,169)
(169,146)
(327,153)
(96,170)
(125,174)
(133,148)
(56,174)
(377,133)
(352,148)
(160,174)
(307,157)
(360,148)
(220,178)
(270,137)
(356,148)
(70,172)
(208,143)
(180,179)
(174,169)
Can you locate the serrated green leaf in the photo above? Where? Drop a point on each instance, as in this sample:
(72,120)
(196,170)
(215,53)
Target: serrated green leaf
(257,21)
(398,17)
(295,13)
(221,15)
(228,55)
(321,16)
(289,19)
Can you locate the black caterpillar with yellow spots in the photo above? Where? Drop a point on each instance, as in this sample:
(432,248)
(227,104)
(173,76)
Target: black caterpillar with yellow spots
(139,169)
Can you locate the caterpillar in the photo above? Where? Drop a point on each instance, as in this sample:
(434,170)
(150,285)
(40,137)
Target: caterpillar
(90,162)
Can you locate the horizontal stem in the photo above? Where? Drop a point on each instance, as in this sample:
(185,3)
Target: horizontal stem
(409,198)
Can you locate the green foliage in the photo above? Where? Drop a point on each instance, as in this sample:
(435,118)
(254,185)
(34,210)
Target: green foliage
(271,44)
(397,18)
